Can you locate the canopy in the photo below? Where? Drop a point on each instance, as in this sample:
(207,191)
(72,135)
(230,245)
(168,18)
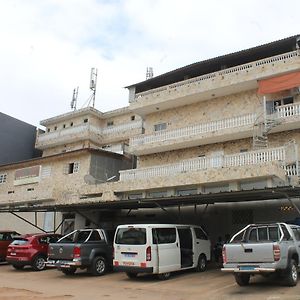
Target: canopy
(279,83)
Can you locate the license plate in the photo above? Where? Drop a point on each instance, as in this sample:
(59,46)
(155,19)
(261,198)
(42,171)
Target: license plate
(128,263)
(129,255)
(247,268)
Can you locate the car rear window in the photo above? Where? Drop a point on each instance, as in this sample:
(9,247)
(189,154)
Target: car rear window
(131,236)
(20,242)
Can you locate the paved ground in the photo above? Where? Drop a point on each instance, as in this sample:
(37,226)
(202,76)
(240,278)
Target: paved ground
(213,284)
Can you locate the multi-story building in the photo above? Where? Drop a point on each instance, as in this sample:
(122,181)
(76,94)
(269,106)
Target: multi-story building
(208,143)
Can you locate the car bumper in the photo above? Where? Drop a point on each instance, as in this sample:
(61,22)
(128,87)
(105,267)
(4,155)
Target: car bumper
(133,269)
(20,261)
(63,264)
(249,270)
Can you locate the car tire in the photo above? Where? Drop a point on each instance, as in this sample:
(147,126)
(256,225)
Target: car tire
(99,266)
(164,276)
(39,263)
(291,277)
(242,279)
(17,267)
(69,272)
(131,275)
(202,263)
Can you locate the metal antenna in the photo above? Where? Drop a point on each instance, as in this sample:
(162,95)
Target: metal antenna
(149,73)
(93,83)
(74,99)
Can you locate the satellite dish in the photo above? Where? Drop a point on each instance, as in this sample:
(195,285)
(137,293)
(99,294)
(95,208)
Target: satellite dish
(89,179)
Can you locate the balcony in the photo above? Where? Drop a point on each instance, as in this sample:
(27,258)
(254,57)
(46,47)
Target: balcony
(198,134)
(273,162)
(217,84)
(88,132)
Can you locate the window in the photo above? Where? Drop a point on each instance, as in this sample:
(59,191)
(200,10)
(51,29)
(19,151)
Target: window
(30,189)
(131,236)
(64,126)
(135,196)
(296,232)
(110,123)
(48,129)
(72,168)
(132,118)
(200,234)
(160,126)
(186,192)
(85,120)
(3,178)
(94,236)
(263,233)
(164,235)
(158,194)
(243,150)
(71,124)
(55,127)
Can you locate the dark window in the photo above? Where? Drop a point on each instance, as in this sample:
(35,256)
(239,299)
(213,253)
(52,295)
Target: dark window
(286,235)
(82,236)
(85,120)
(110,123)
(263,233)
(159,194)
(164,235)
(71,124)
(160,126)
(253,235)
(288,100)
(187,192)
(132,118)
(273,233)
(200,234)
(135,196)
(243,150)
(48,129)
(94,236)
(131,236)
(55,128)
(64,126)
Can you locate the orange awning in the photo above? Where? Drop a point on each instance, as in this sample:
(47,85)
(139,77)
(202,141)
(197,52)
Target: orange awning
(279,83)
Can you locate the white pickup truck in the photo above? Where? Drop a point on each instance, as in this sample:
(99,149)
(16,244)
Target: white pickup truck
(263,249)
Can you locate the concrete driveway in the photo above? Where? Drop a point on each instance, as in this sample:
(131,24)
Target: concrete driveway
(212,284)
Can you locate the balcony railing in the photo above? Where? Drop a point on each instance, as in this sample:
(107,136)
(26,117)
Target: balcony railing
(220,74)
(204,163)
(197,129)
(288,110)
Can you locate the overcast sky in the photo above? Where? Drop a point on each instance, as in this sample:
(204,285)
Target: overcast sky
(48,47)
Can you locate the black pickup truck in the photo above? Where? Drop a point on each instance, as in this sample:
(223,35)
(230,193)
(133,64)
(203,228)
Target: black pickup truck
(89,249)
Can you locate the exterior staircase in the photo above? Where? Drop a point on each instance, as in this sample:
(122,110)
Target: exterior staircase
(262,126)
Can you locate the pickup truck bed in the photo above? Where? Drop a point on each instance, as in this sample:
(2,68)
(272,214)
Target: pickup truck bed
(264,248)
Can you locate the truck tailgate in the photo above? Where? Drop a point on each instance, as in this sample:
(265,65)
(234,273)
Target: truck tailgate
(61,251)
(249,253)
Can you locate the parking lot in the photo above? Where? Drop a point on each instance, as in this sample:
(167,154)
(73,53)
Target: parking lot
(212,284)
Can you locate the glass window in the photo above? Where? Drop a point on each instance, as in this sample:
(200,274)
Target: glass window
(164,235)
(94,236)
(82,236)
(286,235)
(262,233)
(20,242)
(273,233)
(160,126)
(296,232)
(131,236)
(200,234)
(110,123)
(253,235)
(3,178)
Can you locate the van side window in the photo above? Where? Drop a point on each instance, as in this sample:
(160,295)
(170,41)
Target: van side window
(164,235)
(200,234)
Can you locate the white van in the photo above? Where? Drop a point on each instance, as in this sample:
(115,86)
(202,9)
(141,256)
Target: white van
(160,249)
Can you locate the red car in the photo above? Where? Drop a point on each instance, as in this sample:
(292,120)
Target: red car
(30,250)
(6,237)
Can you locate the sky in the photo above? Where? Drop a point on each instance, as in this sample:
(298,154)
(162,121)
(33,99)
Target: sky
(48,47)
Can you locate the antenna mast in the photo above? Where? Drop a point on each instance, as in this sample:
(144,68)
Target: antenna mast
(74,99)
(93,83)
(149,73)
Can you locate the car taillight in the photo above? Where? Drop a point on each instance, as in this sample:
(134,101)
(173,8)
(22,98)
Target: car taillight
(148,253)
(276,252)
(224,255)
(76,252)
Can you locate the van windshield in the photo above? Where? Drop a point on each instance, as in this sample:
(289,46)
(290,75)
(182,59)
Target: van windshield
(131,236)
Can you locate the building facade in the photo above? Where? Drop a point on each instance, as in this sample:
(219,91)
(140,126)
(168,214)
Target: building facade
(214,143)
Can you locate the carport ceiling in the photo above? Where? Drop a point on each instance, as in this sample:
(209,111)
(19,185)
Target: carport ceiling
(199,199)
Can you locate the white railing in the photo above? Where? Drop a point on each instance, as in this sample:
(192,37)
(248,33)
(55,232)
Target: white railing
(85,129)
(291,170)
(122,127)
(221,74)
(288,110)
(196,129)
(203,163)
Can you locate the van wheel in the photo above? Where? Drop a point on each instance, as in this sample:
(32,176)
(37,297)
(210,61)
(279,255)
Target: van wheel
(164,276)
(131,275)
(292,273)
(242,279)
(202,263)
(70,271)
(39,263)
(98,266)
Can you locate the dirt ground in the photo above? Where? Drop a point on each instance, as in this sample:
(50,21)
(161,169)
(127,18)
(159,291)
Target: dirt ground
(212,284)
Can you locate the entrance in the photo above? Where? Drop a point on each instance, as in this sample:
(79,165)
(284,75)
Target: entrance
(186,247)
